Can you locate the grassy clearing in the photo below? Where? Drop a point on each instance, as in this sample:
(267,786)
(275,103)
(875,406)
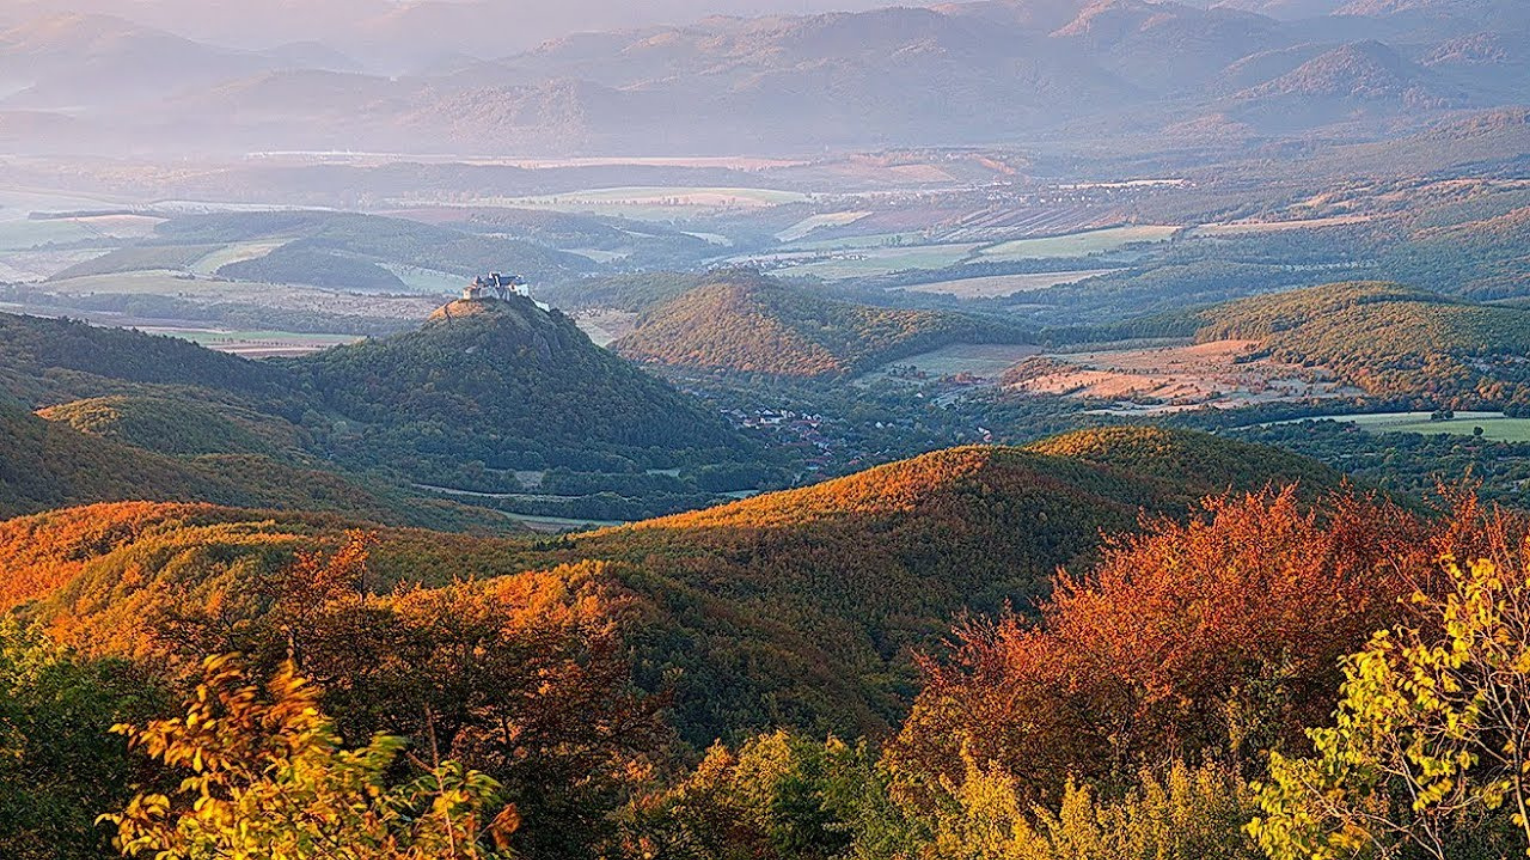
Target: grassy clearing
(999,286)
(653,202)
(258,344)
(553,525)
(1078,244)
(813,222)
(988,361)
(139,258)
(882,261)
(211,262)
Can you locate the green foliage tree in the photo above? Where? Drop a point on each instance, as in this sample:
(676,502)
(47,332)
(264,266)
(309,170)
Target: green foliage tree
(268,777)
(59,767)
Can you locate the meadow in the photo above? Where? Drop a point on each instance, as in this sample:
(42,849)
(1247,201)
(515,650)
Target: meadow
(999,286)
(1495,425)
(1078,244)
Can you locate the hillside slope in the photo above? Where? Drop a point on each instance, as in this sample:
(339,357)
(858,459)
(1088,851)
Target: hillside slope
(795,608)
(749,324)
(50,464)
(501,382)
(1391,340)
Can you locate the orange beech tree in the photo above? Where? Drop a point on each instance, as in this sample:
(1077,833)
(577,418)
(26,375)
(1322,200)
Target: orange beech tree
(1223,635)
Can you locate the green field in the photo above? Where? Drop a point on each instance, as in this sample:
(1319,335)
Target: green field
(813,222)
(1495,425)
(652,202)
(217,258)
(1078,244)
(139,258)
(998,286)
(882,261)
(988,360)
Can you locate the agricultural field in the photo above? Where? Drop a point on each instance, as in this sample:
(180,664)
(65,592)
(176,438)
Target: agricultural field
(1495,425)
(139,258)
(981,361)
(20,235)
(653,203)
(215,259)
(1148,379)
(880,261)
(256,344)
(41,264)
(278,297)
(1247,228)
(1000,286)
(813,222)
(604,326)
(1078,244)
(426,281)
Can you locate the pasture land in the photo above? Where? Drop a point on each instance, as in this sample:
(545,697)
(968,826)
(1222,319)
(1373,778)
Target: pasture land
(813,222)
(652,202)
(256,344)
(999,286)
(986,361)
(1081,244)
(1495,425)
(215,259)
(139,258)
(881,261)
(1245,228)
(1145,379)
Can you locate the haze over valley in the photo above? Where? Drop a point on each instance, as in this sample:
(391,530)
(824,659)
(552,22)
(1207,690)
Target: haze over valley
(784,429)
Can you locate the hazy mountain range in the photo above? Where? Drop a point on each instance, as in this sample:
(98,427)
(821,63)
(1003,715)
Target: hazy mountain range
(1000,71)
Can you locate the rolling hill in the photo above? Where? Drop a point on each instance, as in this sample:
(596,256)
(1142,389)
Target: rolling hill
(49,464)
(506,383)
(745,323)
(1393,341)
(795,608)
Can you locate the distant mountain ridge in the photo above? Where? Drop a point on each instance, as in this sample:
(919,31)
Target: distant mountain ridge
(948,74)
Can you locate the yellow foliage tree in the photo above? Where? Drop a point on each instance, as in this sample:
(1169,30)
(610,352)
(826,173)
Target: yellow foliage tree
(269,778)
(1430,751)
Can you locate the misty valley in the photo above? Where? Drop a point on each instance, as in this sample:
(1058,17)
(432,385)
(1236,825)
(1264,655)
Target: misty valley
(751,430)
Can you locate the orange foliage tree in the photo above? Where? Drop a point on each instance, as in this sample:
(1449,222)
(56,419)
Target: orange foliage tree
(1223,634)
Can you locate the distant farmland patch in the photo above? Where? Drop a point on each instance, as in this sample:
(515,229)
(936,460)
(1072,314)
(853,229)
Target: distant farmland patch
(1495,425)
(228,255)
(999,286)
(985,361)
(881,261)
(814,222)
(653,201)
(139,258)
(1078,244)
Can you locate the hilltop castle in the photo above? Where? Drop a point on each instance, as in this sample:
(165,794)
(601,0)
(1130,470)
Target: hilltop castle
(501,287)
